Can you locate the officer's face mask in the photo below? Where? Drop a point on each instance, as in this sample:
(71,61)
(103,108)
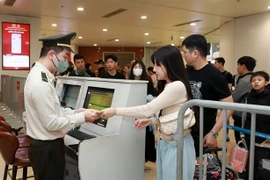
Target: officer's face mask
(61,66)
(137,72)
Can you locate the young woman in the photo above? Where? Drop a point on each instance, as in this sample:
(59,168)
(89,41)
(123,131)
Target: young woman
(174,91)
(138,72)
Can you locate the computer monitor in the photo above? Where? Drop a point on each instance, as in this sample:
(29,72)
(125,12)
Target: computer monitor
(99,98)
(69,91)
(117,93)
(70,95)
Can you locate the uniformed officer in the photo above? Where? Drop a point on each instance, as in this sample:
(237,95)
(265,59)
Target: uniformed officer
(46,119)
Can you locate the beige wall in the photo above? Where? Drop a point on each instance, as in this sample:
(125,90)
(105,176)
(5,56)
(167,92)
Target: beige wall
(227,45)
(247,36)
(34,36)
(253,38)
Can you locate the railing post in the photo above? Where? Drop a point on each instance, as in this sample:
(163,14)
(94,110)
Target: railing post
(201,143)
(224,133)
(252,146)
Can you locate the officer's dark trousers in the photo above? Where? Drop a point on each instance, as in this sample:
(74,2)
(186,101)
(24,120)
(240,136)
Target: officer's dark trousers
(47,159)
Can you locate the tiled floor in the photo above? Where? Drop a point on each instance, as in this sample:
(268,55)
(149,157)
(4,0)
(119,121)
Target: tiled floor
(150,170)
(19,173)
(149,174)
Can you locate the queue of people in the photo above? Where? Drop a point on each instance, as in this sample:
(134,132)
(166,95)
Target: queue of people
(171,83)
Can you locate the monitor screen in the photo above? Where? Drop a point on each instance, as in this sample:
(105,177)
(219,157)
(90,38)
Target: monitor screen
(15,46)
(99,98)
(70,96)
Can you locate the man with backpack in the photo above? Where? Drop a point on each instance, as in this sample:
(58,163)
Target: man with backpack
(245,67)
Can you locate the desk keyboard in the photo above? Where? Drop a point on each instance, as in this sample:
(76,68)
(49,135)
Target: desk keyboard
(80,135)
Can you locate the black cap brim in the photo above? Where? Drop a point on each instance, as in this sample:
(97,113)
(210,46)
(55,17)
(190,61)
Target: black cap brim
(59,41)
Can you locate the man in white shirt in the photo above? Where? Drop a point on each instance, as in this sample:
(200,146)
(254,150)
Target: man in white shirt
(46,119)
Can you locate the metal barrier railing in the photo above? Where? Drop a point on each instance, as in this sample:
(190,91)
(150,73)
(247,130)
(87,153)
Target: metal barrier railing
(252,109)
(5,90)
(17,95)
(12,94)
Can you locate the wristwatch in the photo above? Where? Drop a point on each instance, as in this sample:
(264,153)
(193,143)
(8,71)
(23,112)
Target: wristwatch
(214,133)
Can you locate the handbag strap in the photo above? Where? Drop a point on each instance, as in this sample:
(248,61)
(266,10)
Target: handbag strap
(242,142)
(244,114)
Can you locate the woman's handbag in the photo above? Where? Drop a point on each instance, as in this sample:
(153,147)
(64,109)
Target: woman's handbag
(168,123)
(239,156)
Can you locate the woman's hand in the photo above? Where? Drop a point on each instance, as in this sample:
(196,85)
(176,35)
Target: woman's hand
(142,123)
(91,115)
(108,112)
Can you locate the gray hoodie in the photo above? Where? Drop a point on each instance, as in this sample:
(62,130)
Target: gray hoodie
(242,87)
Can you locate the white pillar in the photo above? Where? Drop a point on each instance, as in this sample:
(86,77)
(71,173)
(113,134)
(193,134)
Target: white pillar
(247,36)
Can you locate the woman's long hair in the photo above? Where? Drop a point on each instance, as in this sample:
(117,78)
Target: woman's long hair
(171,58)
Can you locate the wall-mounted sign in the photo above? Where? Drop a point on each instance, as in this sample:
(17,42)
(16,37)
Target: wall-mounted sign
(15,46)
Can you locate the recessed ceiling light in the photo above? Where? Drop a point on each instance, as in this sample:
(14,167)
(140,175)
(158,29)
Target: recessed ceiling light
(182,37)
(268,7)
(193,24)
(143,17)
(146,34)
(148,42)
(116,40)
(95,44)
(80,37)
(172,44)
(54,25)
(105,30)
(80,9)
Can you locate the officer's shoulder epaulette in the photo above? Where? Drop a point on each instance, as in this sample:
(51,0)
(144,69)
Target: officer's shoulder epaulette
(44,77)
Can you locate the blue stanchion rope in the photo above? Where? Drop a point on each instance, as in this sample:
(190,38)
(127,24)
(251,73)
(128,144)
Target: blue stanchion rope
(246,131)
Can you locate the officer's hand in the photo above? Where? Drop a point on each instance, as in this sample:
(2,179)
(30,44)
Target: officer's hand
(91,115)
(108,112)
(209,140)
(142,123)
(79,110)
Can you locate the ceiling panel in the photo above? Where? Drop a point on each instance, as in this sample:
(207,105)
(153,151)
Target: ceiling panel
(227,8)
(22,7)
(127,26)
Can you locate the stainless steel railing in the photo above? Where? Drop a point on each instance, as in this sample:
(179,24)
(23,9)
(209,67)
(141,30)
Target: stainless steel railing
(253,109)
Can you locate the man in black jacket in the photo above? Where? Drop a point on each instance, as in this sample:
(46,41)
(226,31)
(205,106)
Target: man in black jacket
(101,69)
(80,67)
